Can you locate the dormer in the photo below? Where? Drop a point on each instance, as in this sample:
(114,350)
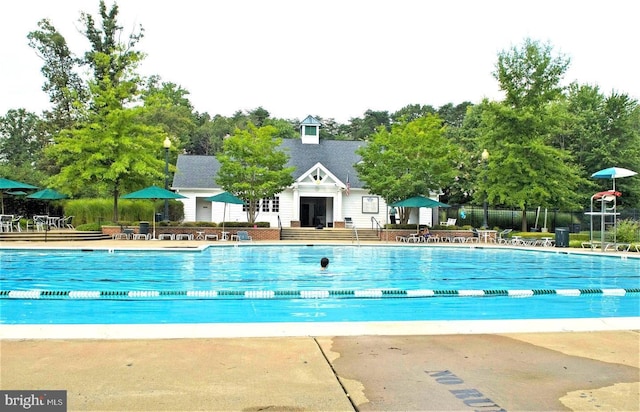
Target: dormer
(310,130)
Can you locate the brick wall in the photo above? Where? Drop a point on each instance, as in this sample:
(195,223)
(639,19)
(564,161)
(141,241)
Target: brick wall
(255,233)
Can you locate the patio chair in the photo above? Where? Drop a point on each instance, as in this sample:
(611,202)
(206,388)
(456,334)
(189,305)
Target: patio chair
(40,222)
(15,223)
(67,222)
(348,222)
(5,223)
(243,236)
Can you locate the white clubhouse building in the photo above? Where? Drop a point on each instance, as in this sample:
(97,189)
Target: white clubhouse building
(325,192)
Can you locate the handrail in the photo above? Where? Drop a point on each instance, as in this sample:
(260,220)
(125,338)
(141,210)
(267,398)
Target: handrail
(355,230)
(279,223)
(379,229)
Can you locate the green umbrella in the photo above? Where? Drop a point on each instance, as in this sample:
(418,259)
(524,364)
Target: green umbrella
(154,193)
(47,194)
(225,197)
(419,201)
(6,184)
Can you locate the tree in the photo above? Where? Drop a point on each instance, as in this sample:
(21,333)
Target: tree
(112,149)
(530,75)
(22,138)
(413,158)
(112,153)
(109,58)
(411,112)
(252,166)
(361,129)
(524,169)
(167,106)
(67,92)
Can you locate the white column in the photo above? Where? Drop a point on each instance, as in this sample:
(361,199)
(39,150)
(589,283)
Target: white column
(295,212)
(337,206)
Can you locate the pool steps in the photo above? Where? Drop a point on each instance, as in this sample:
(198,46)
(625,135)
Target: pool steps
(303,294)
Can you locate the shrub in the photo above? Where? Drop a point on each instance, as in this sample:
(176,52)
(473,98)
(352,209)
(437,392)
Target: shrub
(627,231)
(89,227)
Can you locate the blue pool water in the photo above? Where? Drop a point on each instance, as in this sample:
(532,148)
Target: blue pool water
(285,284)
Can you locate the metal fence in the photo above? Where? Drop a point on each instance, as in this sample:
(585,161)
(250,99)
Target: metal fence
(506,218)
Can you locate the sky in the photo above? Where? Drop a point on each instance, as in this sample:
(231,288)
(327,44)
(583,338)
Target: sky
(333,58)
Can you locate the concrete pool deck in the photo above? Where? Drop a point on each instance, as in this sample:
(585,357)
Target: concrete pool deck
(581,365)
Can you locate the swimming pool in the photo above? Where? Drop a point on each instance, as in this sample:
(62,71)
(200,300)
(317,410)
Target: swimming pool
(285,284)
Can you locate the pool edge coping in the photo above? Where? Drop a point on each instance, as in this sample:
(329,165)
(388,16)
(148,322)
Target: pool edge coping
(300,329)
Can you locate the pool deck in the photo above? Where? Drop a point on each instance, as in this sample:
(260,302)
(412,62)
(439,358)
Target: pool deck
(584,365)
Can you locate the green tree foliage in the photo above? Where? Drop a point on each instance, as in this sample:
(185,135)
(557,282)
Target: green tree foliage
(530,75)
(602,132)
(22,138)
(168,107)
(109,58)
(67,92)
(413,158)
(524,169)
(112,153)
(412,112)
(253,166)
(361,129)
(463,187)
(112,150)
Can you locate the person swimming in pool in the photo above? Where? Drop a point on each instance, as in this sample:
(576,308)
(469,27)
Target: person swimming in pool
(324,263)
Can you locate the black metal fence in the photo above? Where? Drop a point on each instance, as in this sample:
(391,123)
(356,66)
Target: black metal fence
(506,218)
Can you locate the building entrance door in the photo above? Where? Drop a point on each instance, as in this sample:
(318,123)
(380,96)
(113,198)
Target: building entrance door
(313,211)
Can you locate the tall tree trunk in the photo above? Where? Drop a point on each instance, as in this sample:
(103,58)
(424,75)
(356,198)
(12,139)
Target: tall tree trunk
(116,194)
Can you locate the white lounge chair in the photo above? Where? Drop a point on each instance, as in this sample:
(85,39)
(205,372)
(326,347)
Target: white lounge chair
(502,236)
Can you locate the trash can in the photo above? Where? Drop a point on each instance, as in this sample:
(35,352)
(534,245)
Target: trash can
(144,228)
(158,217)
(562,237)
(575,228)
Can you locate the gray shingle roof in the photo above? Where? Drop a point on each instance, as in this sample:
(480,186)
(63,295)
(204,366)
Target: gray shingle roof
(198,172)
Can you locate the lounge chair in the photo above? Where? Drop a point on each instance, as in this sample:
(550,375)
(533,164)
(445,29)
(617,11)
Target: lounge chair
(124,234)
(211,236)
(243,236)
(475,238)
(141,236)
(503,236)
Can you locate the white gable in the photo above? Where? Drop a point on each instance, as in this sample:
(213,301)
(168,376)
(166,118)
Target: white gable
(319,175)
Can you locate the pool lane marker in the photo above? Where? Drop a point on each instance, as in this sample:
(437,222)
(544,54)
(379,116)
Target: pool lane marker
(303,294)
